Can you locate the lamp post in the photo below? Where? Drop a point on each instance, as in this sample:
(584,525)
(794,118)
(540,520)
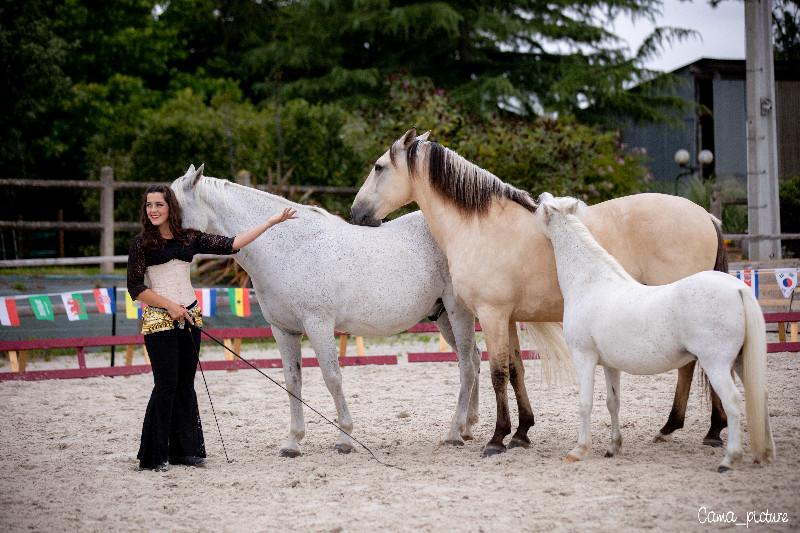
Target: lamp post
(705,157)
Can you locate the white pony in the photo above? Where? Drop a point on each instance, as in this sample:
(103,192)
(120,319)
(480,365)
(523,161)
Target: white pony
(612,320)
(318,274)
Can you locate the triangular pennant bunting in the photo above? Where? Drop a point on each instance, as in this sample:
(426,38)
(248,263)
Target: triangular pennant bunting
(74,306)
(787,280)
(42,308)
(8,312)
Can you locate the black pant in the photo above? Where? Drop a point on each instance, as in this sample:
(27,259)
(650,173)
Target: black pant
(172,427)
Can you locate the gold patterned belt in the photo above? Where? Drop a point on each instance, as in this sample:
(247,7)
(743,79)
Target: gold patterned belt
(156,319)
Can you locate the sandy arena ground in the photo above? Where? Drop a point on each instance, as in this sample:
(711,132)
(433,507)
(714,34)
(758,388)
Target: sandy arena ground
(68,458)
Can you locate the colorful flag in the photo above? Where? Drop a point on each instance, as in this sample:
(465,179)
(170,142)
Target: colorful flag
(8,312)
(133,309)
(106,301)
(240,301)
(74,306)
(207,299)
(787,280)
(42,308)
(750,278)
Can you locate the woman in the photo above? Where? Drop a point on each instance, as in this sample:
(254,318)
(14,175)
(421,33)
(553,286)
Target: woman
(158,276)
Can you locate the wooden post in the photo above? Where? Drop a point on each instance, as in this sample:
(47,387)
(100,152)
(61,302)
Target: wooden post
(781,331)
(18,360)
(61,234)
(793,334)
(359,346)
(243,177)
(442,343)
(231,344)
(343,344)
(716,200)
(107,218)
(129,355)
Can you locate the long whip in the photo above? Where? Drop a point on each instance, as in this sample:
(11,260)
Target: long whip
(208,391)
(326,419)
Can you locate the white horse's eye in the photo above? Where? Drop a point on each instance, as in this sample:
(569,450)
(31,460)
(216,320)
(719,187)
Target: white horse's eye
(378,167)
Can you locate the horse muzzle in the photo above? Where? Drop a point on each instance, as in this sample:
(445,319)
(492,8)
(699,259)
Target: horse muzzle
(363,217)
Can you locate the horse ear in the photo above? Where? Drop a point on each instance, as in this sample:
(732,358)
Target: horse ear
(409,137)
(424,136)
(547,211)
(198,174)
(574,206)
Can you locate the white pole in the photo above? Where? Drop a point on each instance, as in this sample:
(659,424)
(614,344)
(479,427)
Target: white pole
(762,154)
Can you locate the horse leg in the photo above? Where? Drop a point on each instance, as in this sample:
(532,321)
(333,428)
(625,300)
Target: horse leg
(462,337)
(324,343)
(721,379)
(584,367)
(612,402)
(517,376)
(719,421)
(289,346)
(495,329)
(678,412)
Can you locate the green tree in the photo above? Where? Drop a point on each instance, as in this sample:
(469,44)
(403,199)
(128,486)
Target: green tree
(32,82)
(786,29)
(531,57)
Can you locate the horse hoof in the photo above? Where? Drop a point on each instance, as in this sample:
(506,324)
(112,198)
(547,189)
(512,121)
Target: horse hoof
(343,448)
(661,437)
(493,449)
(571,459)
(519,443)
(288,452)
(714,443)
(467,437)
(722,469)
(454,442)
(609,454)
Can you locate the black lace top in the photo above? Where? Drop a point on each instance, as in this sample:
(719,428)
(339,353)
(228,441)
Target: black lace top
(198,243)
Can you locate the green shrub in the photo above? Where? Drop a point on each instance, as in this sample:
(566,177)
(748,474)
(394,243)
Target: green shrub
(790,213)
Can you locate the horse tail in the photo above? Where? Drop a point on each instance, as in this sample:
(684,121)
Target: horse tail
(553,351)
(721,262)
(753,358)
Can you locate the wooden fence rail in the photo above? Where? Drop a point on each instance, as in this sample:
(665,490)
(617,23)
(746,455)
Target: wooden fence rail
(107,225)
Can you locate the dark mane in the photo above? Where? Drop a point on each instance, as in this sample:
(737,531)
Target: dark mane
(469,187)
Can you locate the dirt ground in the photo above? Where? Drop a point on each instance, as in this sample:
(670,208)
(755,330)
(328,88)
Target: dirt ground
(68,459)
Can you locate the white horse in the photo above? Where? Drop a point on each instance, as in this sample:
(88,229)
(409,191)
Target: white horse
(319,274)
(612,320)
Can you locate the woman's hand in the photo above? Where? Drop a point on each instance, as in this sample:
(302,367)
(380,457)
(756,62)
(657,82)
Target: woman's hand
(179,313)
(286,214)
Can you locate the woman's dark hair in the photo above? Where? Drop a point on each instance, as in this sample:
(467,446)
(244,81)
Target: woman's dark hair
(151,237)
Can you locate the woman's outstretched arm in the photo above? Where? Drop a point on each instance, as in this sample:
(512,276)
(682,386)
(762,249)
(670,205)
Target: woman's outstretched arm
(253,233)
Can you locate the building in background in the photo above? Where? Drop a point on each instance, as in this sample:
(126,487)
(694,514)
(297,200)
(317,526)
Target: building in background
(717,121)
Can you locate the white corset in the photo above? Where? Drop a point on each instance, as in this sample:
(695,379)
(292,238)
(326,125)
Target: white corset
(171,280)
